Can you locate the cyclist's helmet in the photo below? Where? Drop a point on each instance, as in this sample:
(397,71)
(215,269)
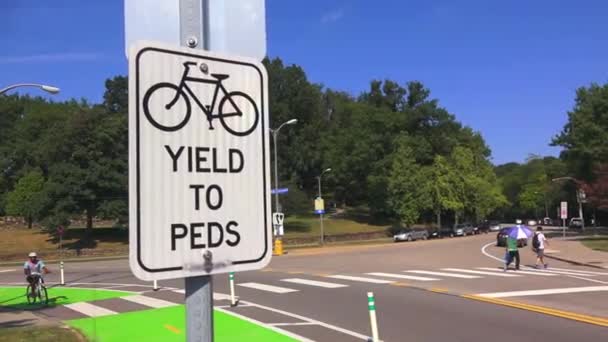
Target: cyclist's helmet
(33,255)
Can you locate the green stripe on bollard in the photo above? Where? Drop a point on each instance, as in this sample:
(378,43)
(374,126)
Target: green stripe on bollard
(372,308)
(231,276)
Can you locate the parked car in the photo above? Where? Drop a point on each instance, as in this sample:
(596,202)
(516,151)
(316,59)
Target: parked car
(501,239)
(434,233)
(576,223)
(488,226)
(532,223)
(547,221)
(462,229)
(410,235)
(518,221)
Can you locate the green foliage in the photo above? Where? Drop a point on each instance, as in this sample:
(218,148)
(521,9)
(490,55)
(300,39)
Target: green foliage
(25,199)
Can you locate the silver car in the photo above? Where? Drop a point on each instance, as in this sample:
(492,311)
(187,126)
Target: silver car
(410,235)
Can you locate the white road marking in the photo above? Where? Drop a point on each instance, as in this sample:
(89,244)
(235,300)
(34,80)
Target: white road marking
(4,271)
(362,279)
(519,272)
(314,283)
(544,292)
(443,274)
(495,274)
(303,318)
(559,272)
(268,288)
(591,280)
(401,276)
(579,271)
(256,322)
(89,309)
(483,250)
(288,324)
(148,301)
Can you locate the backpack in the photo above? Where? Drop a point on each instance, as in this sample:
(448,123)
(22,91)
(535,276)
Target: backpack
(535,242)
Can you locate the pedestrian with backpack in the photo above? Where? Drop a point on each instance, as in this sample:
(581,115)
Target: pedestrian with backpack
(538,246)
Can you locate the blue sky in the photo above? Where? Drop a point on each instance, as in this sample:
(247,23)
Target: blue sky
(508,69)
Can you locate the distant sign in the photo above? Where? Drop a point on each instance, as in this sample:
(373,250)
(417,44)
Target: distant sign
(564,210)
(198,163)
(235,27)
(277,223)
(279,191)
(60,231)
(319,206)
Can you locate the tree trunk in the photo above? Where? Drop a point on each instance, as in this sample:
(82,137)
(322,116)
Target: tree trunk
(30,222)
(438,219)
(455,217)
(89,230)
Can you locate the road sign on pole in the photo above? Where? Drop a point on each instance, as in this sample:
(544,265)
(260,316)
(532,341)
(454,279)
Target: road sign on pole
(234,27)
(564,210)
(199,166)
(277,223)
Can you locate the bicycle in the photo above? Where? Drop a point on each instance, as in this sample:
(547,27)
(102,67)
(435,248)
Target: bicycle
(182,90)
(40,291)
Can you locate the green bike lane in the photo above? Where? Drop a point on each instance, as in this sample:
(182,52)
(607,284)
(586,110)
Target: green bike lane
(137,323)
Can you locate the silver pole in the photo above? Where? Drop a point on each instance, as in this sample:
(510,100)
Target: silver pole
(194,33)
(321,215)
(275,133)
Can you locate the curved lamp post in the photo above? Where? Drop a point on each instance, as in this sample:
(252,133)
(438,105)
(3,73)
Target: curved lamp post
(49,89)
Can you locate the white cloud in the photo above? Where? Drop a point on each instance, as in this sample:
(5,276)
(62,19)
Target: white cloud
(332,16)
(52,58)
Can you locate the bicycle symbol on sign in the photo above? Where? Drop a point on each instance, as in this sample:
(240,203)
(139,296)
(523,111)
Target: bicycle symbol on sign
(232,118)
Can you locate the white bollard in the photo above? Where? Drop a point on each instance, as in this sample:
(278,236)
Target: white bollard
(371,305)
(233,299)
(155,285)
(61,273)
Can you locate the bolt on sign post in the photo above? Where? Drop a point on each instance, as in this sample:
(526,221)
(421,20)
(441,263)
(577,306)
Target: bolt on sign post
(199,176)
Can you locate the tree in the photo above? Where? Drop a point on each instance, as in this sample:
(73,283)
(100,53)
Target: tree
(584,136)
(406,195)
(439,181)
(597,190)
(25,199)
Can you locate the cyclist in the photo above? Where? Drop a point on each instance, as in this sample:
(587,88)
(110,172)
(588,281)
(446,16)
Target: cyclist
(33,269)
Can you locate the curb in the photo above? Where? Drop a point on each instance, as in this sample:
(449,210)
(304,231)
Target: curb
(85,259)
(574,262)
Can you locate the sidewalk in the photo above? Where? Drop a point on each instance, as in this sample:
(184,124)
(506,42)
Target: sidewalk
(573,251)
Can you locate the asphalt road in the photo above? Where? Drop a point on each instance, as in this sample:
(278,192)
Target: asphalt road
(321,294)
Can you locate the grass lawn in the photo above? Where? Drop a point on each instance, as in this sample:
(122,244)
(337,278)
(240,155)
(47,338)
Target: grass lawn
(38,334)
(598,243)
(168,325)
(14,297)
(309,225)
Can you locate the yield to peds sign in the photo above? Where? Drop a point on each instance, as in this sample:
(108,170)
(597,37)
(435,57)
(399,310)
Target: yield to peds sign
(199,193)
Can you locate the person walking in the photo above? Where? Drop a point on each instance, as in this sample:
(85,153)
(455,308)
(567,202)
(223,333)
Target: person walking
(539,242)
(512,252)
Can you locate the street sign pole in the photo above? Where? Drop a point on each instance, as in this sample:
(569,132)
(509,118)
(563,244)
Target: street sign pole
(194,33)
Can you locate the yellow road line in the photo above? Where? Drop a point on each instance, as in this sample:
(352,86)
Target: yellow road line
(400,284)
(172,328)
(438,290)
(544,310)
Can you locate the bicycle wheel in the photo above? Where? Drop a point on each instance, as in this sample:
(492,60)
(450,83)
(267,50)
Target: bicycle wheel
(167,99)
(28,291)
(238,113)
(43,295)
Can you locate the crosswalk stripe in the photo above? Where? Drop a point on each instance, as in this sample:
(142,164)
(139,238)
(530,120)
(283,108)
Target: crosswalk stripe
(443,274)
(401,276)
(561,272)
(148,301)
(519,272)
(495,274)
(268,288)
(362,279)
(314,283)
(579,271)
(543,292)
(89,309)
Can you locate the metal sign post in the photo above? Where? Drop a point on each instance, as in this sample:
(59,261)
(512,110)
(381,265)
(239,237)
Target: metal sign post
(564,216)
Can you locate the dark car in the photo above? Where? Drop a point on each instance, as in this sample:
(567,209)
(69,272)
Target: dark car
(501,239)
(488,226)
(434,233)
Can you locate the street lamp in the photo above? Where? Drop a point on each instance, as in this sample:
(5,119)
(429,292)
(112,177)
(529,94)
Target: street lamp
(320,197)
(578,196)
(275,133)
(49,89)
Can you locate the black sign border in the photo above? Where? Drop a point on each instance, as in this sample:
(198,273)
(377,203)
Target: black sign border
(137,116)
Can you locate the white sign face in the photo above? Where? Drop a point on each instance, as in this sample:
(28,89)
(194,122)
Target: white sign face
(564,210)
(199,190)
(235,27)
(277,223)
